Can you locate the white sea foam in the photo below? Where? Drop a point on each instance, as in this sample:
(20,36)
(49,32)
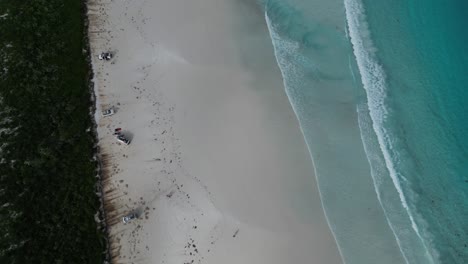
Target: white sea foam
(292,47)
(373,80)
(288,46)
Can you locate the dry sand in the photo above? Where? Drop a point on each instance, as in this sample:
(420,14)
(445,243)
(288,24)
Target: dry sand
(217,168)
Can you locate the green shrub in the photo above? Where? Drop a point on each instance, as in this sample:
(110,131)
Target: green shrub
(47,199)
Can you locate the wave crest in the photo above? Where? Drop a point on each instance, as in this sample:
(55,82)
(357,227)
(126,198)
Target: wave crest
(374,82)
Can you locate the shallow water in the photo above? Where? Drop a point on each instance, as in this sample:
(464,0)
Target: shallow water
(321,80)
(381,109)
(421,50)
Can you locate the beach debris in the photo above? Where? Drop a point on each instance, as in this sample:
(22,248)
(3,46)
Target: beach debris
(235,233)
(169,195)
(154,159)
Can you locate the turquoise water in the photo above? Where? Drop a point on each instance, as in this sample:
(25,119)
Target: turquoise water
(380,90)
(421,116)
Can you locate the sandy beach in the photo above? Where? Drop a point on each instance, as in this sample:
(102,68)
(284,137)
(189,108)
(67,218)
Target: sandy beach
(217,169)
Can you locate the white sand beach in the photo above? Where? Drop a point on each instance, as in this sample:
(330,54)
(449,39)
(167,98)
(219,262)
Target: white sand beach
(217,168)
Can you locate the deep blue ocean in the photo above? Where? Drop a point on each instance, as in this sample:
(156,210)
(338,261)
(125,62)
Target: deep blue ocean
(380,89)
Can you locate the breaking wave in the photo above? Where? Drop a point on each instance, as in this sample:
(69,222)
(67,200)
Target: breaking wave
(373,79)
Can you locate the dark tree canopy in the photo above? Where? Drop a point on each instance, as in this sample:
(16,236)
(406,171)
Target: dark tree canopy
(47,172)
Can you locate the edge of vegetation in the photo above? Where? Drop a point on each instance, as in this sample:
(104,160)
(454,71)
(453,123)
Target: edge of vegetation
(48,163)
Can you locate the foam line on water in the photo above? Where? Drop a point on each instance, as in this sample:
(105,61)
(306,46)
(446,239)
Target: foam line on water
(373,80)
(282,62)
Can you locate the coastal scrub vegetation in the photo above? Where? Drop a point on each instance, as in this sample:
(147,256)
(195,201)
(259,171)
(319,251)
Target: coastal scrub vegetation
(47,172)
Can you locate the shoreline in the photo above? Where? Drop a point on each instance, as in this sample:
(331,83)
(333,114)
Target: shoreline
(217,166)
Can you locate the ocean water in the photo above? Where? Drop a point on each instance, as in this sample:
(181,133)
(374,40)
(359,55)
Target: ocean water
(380,90)
(415,77)
(322,81)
